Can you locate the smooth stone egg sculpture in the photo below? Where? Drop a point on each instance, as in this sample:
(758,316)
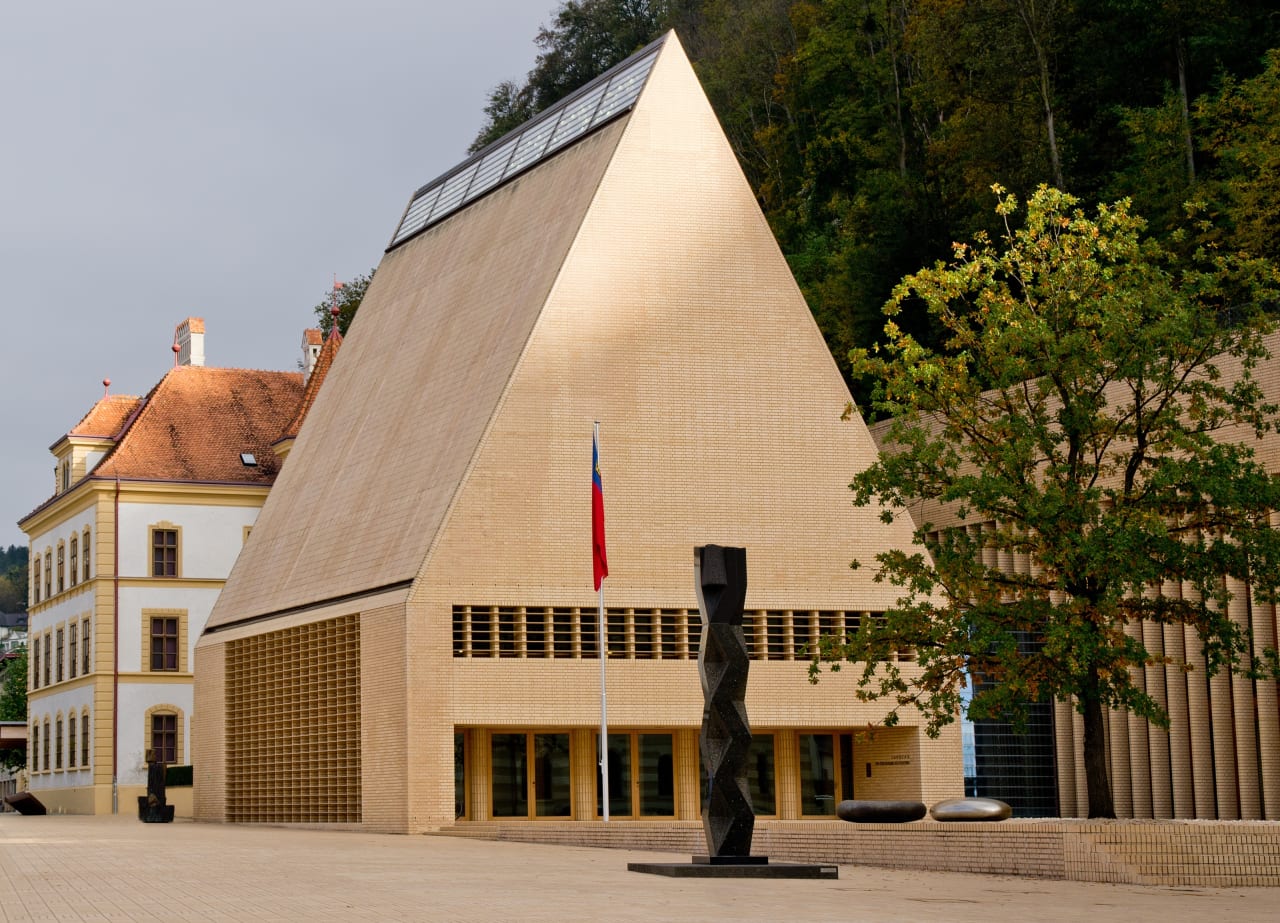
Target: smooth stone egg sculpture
(970,809)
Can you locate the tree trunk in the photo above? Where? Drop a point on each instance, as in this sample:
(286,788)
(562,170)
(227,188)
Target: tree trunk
(1095,752)
(1186,109)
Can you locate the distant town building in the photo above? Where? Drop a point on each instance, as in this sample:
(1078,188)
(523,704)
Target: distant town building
(153,499)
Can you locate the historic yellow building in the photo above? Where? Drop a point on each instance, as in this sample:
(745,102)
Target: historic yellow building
(410,634)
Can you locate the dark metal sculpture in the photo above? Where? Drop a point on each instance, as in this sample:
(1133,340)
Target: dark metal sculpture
(725,742)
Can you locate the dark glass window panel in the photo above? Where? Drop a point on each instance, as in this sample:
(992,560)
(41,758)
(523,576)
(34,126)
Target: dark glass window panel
(552,775)
(459,774)
(510,775)
(817,774)
(164,738)
(164,553)
(656,775)
(619,776)
(761,776)
(164,644)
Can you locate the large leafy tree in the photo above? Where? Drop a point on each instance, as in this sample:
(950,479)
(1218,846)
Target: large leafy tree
(1095,401)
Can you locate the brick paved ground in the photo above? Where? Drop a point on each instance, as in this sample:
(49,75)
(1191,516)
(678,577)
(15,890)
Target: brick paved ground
(104,868)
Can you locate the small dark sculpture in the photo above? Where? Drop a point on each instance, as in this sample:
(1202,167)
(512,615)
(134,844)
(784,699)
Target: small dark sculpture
(152,807)
(725,742)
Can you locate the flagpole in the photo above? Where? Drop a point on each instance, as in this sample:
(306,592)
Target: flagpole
(603,645)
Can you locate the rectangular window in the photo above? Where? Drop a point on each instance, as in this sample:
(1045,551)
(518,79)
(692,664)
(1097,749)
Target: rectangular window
(44,755)
(35,581)
(761,776)
(510,767)
(57,749)
(817,775)
(48,574)
(62,567)
(164,738)
(460,774)
(86,667)
(164,552)
(84,741)
(71,650)
(85,563)
(619,776)
(656,776)
(48,659)
(164,644)
(35,673)
(60,655)
(73,570)
(35,748)
(71,741)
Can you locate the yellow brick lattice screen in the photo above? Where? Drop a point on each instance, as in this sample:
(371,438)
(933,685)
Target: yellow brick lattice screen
(293,725)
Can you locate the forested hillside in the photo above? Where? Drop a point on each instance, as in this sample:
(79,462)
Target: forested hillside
(872,130)
(13,579)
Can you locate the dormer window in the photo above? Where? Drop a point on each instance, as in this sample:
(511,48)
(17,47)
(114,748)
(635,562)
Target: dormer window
(248,459)
(66,475)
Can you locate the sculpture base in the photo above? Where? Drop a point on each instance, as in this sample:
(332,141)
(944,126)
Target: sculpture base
(154,814)
(734,867)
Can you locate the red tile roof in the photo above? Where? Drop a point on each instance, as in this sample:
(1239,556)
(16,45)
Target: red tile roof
(195,423)
(323,361)
(107,417)
(314,336)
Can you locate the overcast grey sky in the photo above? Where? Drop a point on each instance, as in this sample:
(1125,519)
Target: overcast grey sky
(161,159)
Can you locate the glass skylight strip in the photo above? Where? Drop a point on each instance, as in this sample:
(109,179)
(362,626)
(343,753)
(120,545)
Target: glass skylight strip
(576,119)
(454,189)
(533,142)
(561,125)
(418,214)
(623,89)
(492,168)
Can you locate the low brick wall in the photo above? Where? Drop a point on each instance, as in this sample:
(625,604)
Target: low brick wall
(1205,853)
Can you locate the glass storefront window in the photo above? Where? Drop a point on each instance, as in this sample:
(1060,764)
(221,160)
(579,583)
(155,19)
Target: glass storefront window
(817,775)
(459,774)
(510,775)
(760,775)
(657,776)
(551,775)
(619,776)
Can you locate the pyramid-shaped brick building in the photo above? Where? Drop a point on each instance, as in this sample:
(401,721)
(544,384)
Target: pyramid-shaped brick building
(410,636)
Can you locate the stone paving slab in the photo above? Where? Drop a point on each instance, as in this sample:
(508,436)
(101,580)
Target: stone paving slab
(114,868)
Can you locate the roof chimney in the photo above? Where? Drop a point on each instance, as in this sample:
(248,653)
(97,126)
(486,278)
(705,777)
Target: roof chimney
(312,341)
(189,338)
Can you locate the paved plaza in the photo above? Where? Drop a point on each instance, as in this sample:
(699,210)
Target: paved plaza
(113,868)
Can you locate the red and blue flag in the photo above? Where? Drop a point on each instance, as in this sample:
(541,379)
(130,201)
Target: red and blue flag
(600,563)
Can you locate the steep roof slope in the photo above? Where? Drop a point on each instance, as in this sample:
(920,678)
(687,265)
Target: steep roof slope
(629,278)
(196,422)
(409,395)
(106,418)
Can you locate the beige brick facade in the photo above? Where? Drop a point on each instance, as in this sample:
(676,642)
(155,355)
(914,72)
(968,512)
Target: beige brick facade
(629,279)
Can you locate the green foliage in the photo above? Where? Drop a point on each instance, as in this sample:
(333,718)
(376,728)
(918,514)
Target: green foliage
(585,39)
(1242,125)
(13,703)
(872,130)
(13,688)
(13,579)
(349,297)
(1079,401)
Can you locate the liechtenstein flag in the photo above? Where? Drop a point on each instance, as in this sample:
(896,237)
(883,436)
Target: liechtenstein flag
(599,563)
